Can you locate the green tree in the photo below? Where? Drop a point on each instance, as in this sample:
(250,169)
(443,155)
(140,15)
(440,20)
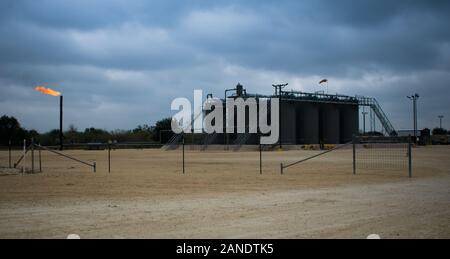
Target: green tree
(439,131)
(10,130)
(142,133)
(95,135)
(72,135)
(162,125)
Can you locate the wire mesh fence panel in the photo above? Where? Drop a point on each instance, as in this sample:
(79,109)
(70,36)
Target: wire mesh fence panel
(382,153)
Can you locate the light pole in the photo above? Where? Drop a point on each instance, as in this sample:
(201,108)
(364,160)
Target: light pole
(414,99)
(440,120)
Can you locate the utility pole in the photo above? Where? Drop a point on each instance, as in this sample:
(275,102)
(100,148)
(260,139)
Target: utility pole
(414,99)
(440,120)
(278,89)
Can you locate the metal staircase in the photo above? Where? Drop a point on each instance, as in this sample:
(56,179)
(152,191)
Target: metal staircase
(376,108)
(174,142)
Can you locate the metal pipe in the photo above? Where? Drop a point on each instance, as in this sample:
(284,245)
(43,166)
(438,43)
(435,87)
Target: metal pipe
(40,161)
(414,98)
(61,137)
(9,151)
(20,159)
(440,120)
(24,154)
(32,155)
(364,113)
(415,119)
(320,154)
(226,137)
(109,157)
(278,89)
(354,155)
(279,120)
(183,156)
(260,158)
(410,157)
(66,156)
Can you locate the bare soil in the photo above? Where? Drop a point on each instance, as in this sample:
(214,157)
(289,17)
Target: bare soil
(223,195)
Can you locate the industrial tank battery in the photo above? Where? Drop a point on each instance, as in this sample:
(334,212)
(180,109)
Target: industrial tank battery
(307,122)
(288,132)
(329,124)
(349,122)
(305,118)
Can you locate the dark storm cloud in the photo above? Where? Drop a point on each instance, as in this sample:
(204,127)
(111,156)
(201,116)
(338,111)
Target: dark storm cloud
(119,63)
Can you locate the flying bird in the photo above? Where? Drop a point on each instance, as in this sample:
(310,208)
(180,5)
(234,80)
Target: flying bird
(323,81)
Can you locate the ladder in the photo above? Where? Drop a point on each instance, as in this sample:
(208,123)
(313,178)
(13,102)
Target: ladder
(376,108)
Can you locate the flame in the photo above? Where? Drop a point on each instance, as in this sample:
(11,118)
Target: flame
(48,91)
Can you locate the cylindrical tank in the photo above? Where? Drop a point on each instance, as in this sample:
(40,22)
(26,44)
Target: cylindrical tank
(329,124)
(307,120)
(287,122)
(348,122)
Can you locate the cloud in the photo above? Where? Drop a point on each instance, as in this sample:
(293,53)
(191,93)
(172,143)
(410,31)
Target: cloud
(120,63)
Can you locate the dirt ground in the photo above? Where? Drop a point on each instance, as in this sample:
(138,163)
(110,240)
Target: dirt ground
(222,195)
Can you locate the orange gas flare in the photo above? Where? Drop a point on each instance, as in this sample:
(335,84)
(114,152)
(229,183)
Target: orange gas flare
(48,91)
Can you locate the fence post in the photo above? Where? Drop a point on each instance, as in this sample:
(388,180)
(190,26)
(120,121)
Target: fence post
(410,157)
(95,167)
(9,150)
(24,155)
(109,156)
(354,155)
(40,159)
(260,158)
(183,154)
(32,155)
(281,168)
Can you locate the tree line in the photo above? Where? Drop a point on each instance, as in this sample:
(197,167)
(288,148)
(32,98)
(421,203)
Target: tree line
(12,131)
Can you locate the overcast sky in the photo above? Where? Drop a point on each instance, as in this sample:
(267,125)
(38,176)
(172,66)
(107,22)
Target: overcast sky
(120,63)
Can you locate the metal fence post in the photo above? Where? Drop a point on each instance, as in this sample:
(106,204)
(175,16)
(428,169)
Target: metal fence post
(183,154)
(24,155)
(109,156)
(260,158)
(410,157)
(40,159)
(9,150)
(354,155)
(32,155)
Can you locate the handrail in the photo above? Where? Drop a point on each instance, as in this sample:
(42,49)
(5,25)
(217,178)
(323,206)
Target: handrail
(93,165)
(317,155)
